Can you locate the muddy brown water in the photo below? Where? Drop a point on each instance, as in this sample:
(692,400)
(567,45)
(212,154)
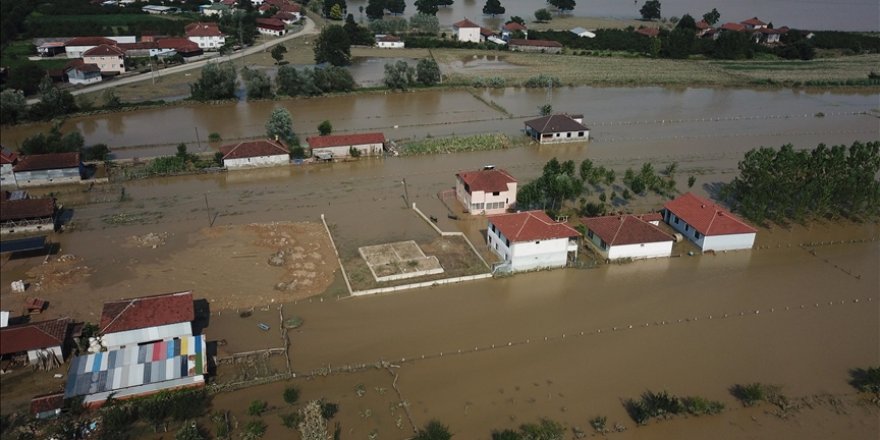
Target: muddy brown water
(835,14)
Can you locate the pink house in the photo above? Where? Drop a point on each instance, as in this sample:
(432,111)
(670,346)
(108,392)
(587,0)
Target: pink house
(486,191)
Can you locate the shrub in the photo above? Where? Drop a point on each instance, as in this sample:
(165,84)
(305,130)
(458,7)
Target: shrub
(866,380)
(257,408)
(291,420)
(329,409)
(214,137)
(749,394)
(542,80)
(291,395)
(433,430)
(253,430)
(598,423)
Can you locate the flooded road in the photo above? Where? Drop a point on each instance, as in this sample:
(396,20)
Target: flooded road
(855,15)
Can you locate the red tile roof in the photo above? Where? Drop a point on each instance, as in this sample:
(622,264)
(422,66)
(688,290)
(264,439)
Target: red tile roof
(465,24)
(648,31)
(24,209)
(388,39)
(34,336)
(47,402)
(285,16)
(651,217)
(514,26)
(494,180)
(534,43)
(139,45)
(342,140)
(531,225)
(735,27)
(202,29)
(89,41)
(8,157)
(703,25)
(753,22)
(625,229)
(147,311)
(179,44)
(104,50)
(270,23)
(259,148)
(707,217)
(51,161)
(555,124)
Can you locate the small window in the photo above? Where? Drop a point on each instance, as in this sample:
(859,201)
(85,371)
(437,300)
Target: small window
(496,193)
(580,134)
(696,235)
(537,242)
(676,220)
(687,227)
(508,242)
(590,233)
(568,135)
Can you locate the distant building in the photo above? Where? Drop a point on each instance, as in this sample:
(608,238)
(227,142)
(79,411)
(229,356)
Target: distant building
(134,321)
(709,226)
(77,46)
(543,46)
(271,26)
(487,191)
(340,145)
(79,72)
(8,159)
(159,10)
(531,240)
(558,128)
(110,59)
(48,169)
(389,41)
(253,154)
(50,48)
(733,27)
(467,31)
(27,215)
(703,28)
(215,10)
(283,6)
(649,32)
(43,342)
(509,30)
(206,35)
(288,18)
(628,236)
(581,32)
(753,24)
(181,46)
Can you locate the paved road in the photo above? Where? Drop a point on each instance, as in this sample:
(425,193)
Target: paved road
(308,29)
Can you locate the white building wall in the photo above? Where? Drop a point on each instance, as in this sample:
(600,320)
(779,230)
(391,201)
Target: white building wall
(267,31)
(209,42)
(47,177)
(343,151)
(34,355)
(76,51)
(641,250)
(569,136)
(390,44)
(7,177)
(469,35)
(107,64)
(729,242)
(92,80)
(255,162)
(541,254)
(134,337)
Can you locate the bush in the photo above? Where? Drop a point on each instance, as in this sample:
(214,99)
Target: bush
(433,430)
(257,408)
(866,380)
(598,423)
(217,82)
(253,430)
(329,409)
(542,81)
(291,420)
(291,395)
(749,394)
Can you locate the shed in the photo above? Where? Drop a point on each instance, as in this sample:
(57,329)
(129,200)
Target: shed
(48,169)
(149,318)
(627,236)
(544,46)
(254,154)
(47,406)
(27,215)
(581,32)
(43,342)
(708,225)
(558,128)
(341,145)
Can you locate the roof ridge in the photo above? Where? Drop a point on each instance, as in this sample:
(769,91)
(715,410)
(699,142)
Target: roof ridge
(130,303)
(619,228)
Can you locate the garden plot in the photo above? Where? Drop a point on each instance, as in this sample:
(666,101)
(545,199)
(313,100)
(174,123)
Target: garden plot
(398,261)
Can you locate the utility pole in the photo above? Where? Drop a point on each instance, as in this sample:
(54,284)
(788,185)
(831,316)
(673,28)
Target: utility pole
(198,140)
(208,209)
(405,193)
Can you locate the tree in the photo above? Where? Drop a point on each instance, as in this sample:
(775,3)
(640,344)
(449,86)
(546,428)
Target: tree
(278,53)
(53,101)
(428,7)
(324,129)
(679,43)
(336,12)
(650,10)
(542,15)
(313,426)
(257,83)
(424,24)
(398,75)
(280,124)
(712,17)
(427,72)
(357,34)
(375,9)
(333,79)
(563,5)
(395,6)
(686,22)
(52,142)
(333,46)
(546,110)
(493,8)
(733,46)
(190,431)
(433,430)
(26,77)
(328,11)
(97,152)
(291,82)
(13,106)
(691,181)
(217,82)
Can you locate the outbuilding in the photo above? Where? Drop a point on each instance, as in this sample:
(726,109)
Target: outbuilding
(510,30)
(628,236)
(341,145)
(79,72)
(253,154)
(77,46)
(385,41)
(135,321)
(558,128)
(531,240)
(709,226)
(543,46)
(271,26)
(39,343)
(467,31)
(48,169)
(581,32)
(8,159)
(27,215)
(486,192)
(206,35)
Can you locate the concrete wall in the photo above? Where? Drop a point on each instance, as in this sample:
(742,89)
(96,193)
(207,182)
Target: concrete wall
(134,337)
(273,32)
(91,80)
(727,242)
(76,51)
(390,44)
(209,43)
(34,355)
(7,177)
(558,138)
(641,250)
(507,199)
(537,49)
(469,35)
(256,162)
(47,177)
(343,151)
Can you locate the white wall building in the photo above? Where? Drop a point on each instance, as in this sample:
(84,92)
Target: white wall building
(254,154)
(206,35)
(557,129)
(709,226)
(467,31)
(146,319)
(531,240)
(74,48)
(8,159)
(486,192)
(340,145)
(389,42)
(110,59)
(48,169)
(628,236)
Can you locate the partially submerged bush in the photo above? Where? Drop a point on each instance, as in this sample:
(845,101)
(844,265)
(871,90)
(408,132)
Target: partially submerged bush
(866,380)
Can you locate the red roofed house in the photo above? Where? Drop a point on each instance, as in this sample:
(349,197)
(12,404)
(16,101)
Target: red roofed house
(147,319)
(48,169)
(182,46)
(531,240)
(75,47)
(543,46)
(206,35)
(733,27)
(487,191)
(110,59)
(753,24)
(559,128)
(288,17)
(252,154)
(649,32)
(708,225)
(703,27)
(509,29)
(37,342)
(271,26)
(26,215)
(341,145)
(79,72)
(468,31)
(8,159)
(628,236)
(387,41)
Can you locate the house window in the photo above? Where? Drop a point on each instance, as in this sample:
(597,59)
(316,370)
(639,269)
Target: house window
(508,242)
(697,235)
(568,135)
(537,242)
(602,244)
(687,227)
(676,220)
(590,233)
(580,134)
(496,193)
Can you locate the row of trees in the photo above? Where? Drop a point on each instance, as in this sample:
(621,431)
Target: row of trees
(402,76)
(53,103)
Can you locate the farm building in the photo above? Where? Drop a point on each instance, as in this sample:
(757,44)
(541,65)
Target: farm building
(753,24)
(389,42)
(138,370)
(509,30)
(341,145)
(543,46)
(649,32)
(134,321)
(583,33)
(48,169)
(253,154)
(50,48)
(214,10)
(79,72)
(487,191)
(468,32)
(709,226)
(27,215)
(206,35)
(559,128)
(287,18)
(182,46)
(8,159)
(271,26)
(39,343)
(531,240)
(79,45)
(628,236)
(110,59)
(159,10)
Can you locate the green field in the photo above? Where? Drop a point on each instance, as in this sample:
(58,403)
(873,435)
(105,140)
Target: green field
(39,25)
(18,52)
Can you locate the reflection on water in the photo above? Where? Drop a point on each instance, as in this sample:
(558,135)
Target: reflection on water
(369,72)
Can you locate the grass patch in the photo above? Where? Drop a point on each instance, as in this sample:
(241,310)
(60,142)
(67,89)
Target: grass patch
(457,144)
(664,406)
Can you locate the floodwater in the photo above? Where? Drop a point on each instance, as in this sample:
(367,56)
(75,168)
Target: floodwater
(851,15)
(370,72)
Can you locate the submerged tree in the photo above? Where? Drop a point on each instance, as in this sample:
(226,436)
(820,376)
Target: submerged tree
(650,10)
(427,72)
(493,8)
(333,46)
(217,82)
(280,124)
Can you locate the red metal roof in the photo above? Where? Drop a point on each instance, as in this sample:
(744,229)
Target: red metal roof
(534,43)
(494,180)
(342,140)
(26,209)
(531,225)
(264,147)
(104,50)
(179,44)
(147,311)
(270,23)
(89,41)
(707,217)
(47,402)
(33,336)
(202,29)
(555,124)
(625,229)
(51,161)
(7,156)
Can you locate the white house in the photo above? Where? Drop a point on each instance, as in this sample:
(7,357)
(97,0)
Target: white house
(508,30)
(206,35)
(581,32)
(531,240)
(753,24)
(341,145)
(559,128)
(216,9)
(146,319)
(74,48)
(467,31)
(628,236)
(487,191)
(709,226)
(47,169)
(110,59)
(8,159)
(271,26)
(389,41)
(36,341)
(253,154)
